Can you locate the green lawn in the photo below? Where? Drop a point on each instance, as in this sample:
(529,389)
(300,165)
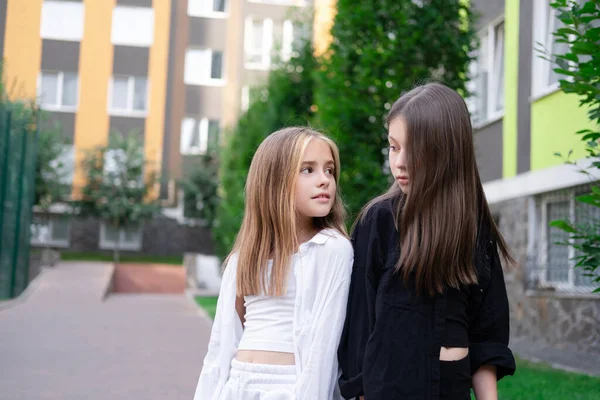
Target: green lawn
(124,258)
(209,304)
(541,382)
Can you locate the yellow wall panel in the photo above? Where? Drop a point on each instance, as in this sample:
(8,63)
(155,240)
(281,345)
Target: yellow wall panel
(22,48)
(157,76)
(95,69)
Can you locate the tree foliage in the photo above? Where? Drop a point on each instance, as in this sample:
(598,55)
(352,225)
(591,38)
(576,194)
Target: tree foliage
(200,197)
(118,184)
(285,100)
(379,50)
(580,66)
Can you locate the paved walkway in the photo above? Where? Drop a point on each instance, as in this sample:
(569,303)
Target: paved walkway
(568,360)
(64,341)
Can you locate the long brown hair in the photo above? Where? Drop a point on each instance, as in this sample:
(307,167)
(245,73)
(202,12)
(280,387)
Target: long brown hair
(269,224)
(445,209)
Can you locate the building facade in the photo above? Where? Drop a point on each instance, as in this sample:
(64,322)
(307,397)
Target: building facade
(175,73)
(521,120)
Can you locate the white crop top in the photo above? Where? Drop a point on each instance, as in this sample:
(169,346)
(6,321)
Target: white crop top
(269,320)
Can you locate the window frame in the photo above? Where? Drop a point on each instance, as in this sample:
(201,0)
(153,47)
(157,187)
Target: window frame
(106,244)
(544,200)
(129,111)
(543,12)
(267,45)
(204,80)
(492,83)
(53,243)
(203,133)
(59,91)
(212,14)
(284,3)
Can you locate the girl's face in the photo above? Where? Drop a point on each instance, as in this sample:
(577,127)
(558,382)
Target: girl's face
(397,137)
(316,186)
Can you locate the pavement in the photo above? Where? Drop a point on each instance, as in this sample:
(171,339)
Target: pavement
(566,359)
(66,338)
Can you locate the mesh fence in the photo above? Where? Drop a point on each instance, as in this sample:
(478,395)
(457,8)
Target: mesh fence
(18,148)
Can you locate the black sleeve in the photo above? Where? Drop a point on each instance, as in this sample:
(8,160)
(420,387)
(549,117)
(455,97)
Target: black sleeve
(489,330)
(360,314)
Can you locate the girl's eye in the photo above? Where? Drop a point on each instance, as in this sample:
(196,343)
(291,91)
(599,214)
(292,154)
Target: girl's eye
(306,170)
(393,148)
(329,171)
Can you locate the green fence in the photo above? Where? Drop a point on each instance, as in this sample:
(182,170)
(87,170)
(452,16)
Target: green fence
(18,147)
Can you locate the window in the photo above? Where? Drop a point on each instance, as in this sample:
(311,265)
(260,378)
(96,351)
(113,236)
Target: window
(50,230)
(487,75)
(203,67)
(258,42)
(199,136)
(545,80)
(206,8)
(58,90)
(62,20)
(132,26)
(297,3)
(128,237)
(128,95)
(260,49)
(557,266)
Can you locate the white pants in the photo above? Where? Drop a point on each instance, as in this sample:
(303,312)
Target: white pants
(249,381)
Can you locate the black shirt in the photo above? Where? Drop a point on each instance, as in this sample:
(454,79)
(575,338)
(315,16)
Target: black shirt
(392,337)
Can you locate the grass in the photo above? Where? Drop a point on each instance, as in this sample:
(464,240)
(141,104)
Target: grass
(209,304)
(534,381)
(124,258)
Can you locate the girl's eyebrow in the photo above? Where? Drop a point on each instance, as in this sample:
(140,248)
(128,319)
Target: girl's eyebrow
(311,163)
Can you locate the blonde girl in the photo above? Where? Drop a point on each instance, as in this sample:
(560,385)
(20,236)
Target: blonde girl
(283,297)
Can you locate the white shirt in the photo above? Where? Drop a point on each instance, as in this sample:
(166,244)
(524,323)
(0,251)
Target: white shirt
(322,268)
(269,320)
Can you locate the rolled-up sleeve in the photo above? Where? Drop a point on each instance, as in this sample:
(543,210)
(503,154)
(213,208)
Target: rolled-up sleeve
(360,313)
(490,329)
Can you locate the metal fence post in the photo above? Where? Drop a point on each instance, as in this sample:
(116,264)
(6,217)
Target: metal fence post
(6,132)
(18,213)
(31,202)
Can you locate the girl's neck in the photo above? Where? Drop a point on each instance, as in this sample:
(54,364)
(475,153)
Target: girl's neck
(305,230)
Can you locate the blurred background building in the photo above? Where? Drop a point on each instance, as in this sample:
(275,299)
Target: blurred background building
(176,73)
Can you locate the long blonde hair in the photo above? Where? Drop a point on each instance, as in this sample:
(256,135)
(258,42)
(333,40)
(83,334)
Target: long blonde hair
(269,224)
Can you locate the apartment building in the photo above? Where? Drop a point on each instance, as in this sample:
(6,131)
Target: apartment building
(175,73)
(521,120)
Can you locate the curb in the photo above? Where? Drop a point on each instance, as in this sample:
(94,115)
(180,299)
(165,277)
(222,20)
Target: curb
(108,288)
(189,295)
